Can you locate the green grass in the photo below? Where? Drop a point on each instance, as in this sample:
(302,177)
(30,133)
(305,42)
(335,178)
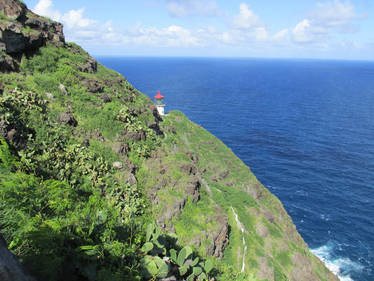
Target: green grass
(195,219)
(284,259)
(72,194)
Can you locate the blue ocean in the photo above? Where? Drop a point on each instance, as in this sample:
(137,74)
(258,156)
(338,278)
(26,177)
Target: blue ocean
(306,129)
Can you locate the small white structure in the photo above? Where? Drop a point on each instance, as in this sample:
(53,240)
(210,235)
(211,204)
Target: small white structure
(160,104)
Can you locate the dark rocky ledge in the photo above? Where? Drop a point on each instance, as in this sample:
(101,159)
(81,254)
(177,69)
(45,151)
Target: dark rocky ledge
(22,33)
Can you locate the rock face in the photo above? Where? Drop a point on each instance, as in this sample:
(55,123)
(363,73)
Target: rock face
(10,268)
(67,118)
(22,33)
(220,238)
(12,9)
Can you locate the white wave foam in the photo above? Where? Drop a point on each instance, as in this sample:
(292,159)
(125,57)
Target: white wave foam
(339,266)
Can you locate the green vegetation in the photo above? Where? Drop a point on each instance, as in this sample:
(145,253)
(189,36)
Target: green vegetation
(4,17)
(94,185)
(65,211)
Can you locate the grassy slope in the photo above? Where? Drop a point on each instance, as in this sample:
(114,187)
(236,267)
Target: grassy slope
(275,249)
(270,235)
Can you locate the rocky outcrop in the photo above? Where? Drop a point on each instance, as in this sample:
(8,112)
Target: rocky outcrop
(139,135)
(10,268)
(12,9)
(220,238)
(90,66)
(192,190)
(67,118)
(93,86)
(22,33)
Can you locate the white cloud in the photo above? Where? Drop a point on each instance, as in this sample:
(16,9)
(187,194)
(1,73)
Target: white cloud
(246,18)
(244,31)
(335,13)
(75,18)
(172,36)
(327,19)
(45,8)
(281,34)
(301,32)
(182,8)
(245,28)
(71,19)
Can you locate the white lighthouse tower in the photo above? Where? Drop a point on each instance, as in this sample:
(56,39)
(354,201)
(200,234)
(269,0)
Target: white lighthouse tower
(160,104)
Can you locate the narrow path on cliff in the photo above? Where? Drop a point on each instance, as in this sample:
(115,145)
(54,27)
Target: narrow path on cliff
(240,225)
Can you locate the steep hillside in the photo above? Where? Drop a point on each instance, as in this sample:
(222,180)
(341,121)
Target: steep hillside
(95,185)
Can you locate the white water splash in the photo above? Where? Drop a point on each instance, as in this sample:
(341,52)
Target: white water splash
(240,225)
(339,266)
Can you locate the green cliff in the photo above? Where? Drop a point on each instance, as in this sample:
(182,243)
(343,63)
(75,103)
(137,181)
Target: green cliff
(95,185)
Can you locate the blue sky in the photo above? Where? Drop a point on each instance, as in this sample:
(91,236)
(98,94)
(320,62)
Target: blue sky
(326,29)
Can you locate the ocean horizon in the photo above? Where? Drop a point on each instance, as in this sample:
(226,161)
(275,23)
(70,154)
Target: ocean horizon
(102,58)
(304,127)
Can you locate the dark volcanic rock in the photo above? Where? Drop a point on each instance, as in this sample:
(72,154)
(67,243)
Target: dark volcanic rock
(123,149)
(193,156)
(10,268)
(106,98)
(193,189)
(189,169)
(93,86)
(136,136)
(156,128)
(8,64)
(24,32)
(220,238)
(14,39)
(98,135)
(89,67)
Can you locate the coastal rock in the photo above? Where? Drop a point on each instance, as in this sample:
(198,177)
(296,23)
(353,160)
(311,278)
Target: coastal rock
(189,169)
(131,179)
(193,156)
(303,271)
(67,118)
(123,149)
(3,128)
(97,135)
(63,89)
(220,238)
(13,38)
(8,64)
(89,67)
(136,136)
(10,268)
(12,9)
(23,32)
(192,190)
(93,86)
(155,127)
(106,98)
(117,165)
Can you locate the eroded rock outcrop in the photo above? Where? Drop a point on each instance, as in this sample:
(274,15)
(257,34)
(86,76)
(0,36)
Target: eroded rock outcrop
(22,33)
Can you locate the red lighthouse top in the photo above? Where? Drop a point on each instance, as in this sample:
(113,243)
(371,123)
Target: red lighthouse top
(159,96)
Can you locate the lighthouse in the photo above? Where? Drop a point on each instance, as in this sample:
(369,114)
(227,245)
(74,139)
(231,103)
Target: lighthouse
(160,103)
